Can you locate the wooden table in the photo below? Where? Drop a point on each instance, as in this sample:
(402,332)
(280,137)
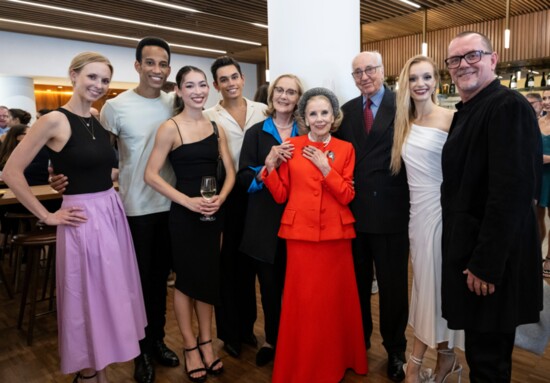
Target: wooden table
(42,192)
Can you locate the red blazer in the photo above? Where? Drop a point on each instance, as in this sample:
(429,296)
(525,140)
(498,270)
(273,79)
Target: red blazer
(317,208)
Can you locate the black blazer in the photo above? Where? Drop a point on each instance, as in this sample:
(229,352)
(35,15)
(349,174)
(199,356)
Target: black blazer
(263,215)
(492,163)
(381,203)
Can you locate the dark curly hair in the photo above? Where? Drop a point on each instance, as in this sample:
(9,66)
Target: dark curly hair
(151,41)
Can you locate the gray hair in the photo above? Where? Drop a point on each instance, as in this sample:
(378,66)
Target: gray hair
(318,92)
(377,57)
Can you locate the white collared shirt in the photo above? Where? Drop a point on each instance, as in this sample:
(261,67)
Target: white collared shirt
(233,132)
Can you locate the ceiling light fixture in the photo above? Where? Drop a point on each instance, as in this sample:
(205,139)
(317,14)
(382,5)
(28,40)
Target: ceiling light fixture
(104,34)
(128,21)
(424,27)
(173,6)
(424,49)
(507,23)
(260,25)
(410,3)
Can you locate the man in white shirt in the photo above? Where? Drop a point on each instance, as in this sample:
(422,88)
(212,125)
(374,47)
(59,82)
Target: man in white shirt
(236,315)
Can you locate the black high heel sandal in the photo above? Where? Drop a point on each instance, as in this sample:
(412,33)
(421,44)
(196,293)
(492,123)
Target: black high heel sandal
(210,369)
(82,377)
(197,379)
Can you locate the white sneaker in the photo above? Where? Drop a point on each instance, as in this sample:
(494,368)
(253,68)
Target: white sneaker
(374,287)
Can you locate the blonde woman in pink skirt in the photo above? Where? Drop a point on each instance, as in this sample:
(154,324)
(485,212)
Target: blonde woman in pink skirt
(101,316)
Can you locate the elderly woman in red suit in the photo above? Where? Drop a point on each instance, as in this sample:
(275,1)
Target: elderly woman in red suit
(320,334)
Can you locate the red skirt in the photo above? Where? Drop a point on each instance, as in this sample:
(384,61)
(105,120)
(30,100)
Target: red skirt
(321,333)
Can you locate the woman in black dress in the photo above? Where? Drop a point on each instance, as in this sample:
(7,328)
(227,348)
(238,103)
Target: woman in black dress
(189,142)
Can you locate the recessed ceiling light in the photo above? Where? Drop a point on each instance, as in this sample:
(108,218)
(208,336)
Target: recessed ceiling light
(410,3)
(173,6)
(260,25)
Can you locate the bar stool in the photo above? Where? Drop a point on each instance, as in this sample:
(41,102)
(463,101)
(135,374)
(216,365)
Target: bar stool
(18,223)
(3,278)
(35,246)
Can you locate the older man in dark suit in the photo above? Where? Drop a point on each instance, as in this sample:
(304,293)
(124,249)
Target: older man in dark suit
(381,208)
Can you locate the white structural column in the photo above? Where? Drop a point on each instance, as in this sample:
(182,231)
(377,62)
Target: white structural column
(18,92)
(315,40)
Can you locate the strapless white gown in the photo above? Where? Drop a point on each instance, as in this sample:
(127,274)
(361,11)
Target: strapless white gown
(422,156)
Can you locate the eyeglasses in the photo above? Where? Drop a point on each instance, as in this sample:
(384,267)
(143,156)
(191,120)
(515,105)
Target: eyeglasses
(289,92)
(470,57)
(369,71)
(534,102)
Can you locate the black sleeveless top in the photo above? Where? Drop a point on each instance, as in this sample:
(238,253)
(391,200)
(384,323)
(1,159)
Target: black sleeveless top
(86,162)
(192,161)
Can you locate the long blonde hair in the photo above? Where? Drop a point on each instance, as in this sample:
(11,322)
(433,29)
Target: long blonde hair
(406,112)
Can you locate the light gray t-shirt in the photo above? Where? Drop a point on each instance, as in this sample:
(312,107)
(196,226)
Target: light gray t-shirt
(134,120)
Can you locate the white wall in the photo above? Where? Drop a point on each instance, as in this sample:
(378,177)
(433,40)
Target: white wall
(316,43)
(47,59)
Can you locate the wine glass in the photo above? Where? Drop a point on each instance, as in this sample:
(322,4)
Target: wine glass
(208,190)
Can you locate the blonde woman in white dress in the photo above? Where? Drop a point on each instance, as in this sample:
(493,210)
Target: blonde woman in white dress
(421,128)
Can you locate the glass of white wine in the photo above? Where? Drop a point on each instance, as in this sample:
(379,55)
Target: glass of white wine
(208,190)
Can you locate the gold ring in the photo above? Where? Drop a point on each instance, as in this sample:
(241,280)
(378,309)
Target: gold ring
(484,285)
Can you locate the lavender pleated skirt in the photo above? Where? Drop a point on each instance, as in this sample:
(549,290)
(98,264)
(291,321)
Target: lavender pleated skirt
(101,316)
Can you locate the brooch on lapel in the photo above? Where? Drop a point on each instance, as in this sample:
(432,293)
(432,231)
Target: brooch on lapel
(330,154)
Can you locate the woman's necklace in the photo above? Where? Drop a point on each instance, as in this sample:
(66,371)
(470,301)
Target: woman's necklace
(283,127)
(325,141)
(88,125)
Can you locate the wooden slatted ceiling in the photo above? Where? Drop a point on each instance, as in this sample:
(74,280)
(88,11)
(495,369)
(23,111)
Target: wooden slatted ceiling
(529,45)
(454,13)
(223,24)
(373,11)
(381,20)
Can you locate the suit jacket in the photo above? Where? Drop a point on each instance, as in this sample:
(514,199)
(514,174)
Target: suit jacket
(263,215)
(317,207)
(491,166)
(381,203)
